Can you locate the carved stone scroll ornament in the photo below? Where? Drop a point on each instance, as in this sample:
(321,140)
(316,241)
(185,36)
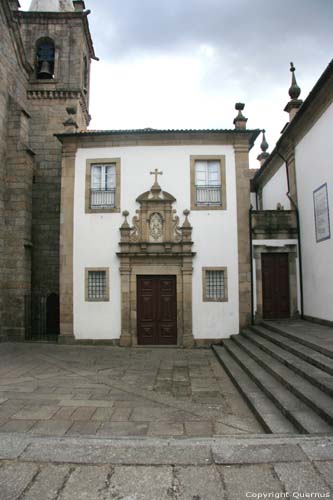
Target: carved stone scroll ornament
(136,227)
(177,234)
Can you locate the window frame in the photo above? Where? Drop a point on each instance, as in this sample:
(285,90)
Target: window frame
(102,161)
(204,283)
(223,190)
(107,284)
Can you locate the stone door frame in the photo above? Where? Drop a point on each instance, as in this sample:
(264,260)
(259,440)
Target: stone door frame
(291,250)
(172,266)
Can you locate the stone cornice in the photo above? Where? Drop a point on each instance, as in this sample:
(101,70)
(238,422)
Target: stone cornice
(60,95)
(54,94)
(108,138)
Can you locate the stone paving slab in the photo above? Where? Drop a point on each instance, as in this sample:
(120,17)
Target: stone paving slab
(318,450)
(301,477)
(243,482)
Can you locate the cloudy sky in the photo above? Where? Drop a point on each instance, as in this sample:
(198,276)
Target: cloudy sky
(184,63)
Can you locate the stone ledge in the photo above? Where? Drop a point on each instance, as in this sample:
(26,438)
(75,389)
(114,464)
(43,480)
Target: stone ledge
(248,449)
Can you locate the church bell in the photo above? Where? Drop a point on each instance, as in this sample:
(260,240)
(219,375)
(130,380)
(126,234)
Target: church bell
(45,72)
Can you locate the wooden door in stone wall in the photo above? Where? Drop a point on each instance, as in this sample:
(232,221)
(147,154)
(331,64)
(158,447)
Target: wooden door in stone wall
(275,285)
(157,310)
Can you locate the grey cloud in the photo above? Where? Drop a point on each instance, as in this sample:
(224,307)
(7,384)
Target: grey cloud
(127,26)
(254,40)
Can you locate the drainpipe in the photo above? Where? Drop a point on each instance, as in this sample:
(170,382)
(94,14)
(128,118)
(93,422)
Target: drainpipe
(251,260)
(298,235)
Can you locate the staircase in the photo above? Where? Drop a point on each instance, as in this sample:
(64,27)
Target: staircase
(285,377)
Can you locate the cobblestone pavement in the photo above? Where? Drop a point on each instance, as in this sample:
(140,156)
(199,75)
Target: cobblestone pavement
(51,390)
(33,468)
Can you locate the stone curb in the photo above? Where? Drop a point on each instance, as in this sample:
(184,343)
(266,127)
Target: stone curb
(255,449)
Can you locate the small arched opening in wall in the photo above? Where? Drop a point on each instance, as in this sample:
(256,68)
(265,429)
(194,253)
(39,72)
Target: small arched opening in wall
(45,59)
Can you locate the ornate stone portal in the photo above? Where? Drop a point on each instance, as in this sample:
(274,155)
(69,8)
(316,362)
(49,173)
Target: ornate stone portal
(156,245)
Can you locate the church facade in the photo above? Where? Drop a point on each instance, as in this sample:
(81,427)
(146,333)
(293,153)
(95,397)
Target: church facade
(148,237)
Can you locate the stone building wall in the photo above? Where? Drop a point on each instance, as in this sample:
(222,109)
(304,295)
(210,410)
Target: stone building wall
(15,173)
(55,106)
(31,112)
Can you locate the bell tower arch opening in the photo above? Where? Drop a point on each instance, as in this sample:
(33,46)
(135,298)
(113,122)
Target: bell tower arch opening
(45,57)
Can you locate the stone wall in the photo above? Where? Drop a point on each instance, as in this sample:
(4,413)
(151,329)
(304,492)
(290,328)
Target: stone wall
(31,112)
(15,173)
(49,104)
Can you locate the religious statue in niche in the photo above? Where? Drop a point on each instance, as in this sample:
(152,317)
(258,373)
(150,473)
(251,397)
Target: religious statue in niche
(156,227)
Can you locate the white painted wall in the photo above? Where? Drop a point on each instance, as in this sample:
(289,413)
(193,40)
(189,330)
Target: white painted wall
(96,236)
(314,167)
(275,190)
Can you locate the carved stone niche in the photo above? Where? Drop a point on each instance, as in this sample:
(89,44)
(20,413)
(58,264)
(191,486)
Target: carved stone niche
(156,244)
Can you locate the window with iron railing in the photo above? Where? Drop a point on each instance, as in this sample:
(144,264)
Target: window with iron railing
(207,182)
(103,186)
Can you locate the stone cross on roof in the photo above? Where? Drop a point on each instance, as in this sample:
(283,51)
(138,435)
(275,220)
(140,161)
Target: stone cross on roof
(156,173)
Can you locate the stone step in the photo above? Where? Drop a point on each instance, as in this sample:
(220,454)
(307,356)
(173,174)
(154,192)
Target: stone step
(269,416)
(300,415)
(317,359)
(297,338)
(314,375)
(304,390)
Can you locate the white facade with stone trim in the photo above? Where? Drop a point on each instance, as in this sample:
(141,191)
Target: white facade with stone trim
(97,236)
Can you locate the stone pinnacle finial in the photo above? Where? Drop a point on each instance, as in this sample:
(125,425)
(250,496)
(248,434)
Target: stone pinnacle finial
(294,90)
(264,146)
(240,120)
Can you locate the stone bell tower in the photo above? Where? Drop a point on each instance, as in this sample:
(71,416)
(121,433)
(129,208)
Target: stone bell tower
(59,48)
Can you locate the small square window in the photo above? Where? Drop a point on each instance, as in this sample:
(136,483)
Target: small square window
(215,284)
(97,285)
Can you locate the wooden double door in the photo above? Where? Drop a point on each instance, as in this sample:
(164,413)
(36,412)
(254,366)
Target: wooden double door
(157,310)
(275,285)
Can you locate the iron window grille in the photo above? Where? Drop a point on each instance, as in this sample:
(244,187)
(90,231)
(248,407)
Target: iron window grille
(97,285)
(215,285)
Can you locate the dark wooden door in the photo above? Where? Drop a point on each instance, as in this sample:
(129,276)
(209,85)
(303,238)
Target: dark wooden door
(157,310)
(275,285)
